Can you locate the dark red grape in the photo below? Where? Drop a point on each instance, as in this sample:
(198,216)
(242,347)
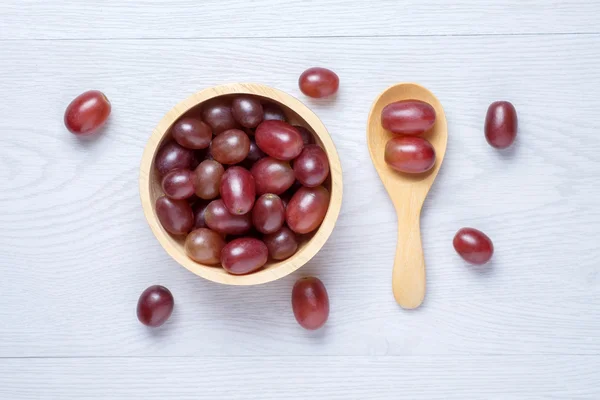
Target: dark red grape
(254,154)
(307,209)
(307,136)
(318,82)
(501,124)
(199,210)
(237,190)
(87,113)
(268,214)
(204,246)
(219,219)
(408,117)
(191,133)
(247,110)
(173,156)
(178,184)
(409,154)
(310,303)
(272,176)
(155,306)
(281,244)
(311,167)
(218,115)
(176,216)
(272,112)
(244,255)
(230,147)
(473,246)
(279,140)
(207,179)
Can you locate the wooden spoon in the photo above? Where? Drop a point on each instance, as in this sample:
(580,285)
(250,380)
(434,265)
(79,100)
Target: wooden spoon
(407,191)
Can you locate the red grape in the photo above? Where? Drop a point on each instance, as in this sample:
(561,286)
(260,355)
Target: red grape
(272,112)
(237,190)
(230,147)
(281,244)
(318,82)
(501,124)
(473,246)
(307,136)
(87,113)
(218,115)
(254,154)
(199,210)
(207,179)
(272,176)
(310,303)
(173,156)
(409,154)
(204,246)
(155,306)
(219,219)
(176,216)
(191,133)
(307,208)
(268,214)
(311,167)
(279,140)
(178,184)
(244,255)
(408,117)
(247,110)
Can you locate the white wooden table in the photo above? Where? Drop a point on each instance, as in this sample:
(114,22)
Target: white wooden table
(76,252)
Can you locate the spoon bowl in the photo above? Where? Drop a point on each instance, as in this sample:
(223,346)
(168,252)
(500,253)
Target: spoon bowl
(407,191)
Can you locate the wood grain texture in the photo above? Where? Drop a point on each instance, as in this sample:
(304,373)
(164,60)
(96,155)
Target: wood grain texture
(106,19)
(76,251)
(297,114)
(407,191)
(299,378)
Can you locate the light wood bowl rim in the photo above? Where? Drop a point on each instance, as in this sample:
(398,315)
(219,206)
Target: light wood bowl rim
(276,270)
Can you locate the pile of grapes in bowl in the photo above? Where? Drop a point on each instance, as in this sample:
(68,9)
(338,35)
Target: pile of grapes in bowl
(241,184)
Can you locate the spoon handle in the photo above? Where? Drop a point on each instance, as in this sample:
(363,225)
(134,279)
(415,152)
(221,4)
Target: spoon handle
(408,277)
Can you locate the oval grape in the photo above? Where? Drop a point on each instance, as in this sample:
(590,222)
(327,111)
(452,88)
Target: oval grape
(307,209)
(173,156)
(207,179)
(237,190)
(218,115)
(409,154)
(87,113)
(244,255)
(199,210)
(311,167)
(219,219)
(230,147)
(310,303)
(178,184)
(268,214)
(254,154)
(191,133)
(408,117)
(204,246)
(473,246)
(176,216)
(501,124)
(272,112)
(281,244)
(318,82)
(307,136)
(272,176)
(247,110)
(279,139)
(155,306)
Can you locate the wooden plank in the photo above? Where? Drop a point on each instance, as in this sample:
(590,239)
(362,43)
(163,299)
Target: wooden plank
(93,19)
(76,251)
(331,378)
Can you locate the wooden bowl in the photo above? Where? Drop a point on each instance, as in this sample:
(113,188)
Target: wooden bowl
(297,114)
